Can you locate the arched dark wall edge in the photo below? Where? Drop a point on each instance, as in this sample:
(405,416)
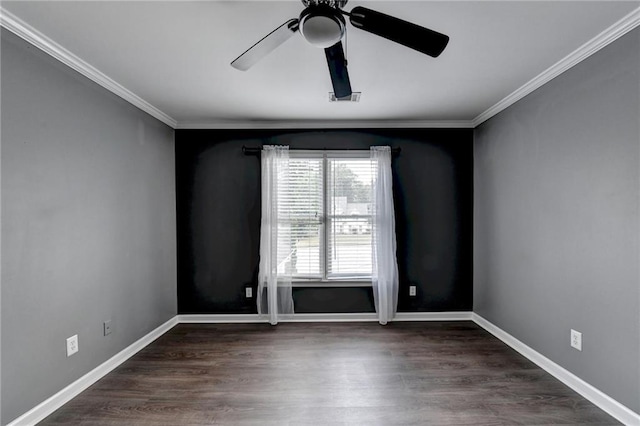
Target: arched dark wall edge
(218,213)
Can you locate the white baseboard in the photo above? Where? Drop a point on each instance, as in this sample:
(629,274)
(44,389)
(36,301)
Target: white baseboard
(220,319)
(45,408)
(600,399)
(338,317)
(326,317)
(433,316)
(597,397)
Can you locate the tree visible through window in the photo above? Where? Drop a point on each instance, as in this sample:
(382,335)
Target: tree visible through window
(325,216)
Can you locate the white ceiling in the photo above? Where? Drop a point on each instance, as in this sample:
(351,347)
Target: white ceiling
(175,55)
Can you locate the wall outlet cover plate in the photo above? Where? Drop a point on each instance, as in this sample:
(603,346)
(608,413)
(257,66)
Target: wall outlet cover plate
(576,340)
(72,345)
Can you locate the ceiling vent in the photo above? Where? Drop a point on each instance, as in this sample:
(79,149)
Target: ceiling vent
(354,97)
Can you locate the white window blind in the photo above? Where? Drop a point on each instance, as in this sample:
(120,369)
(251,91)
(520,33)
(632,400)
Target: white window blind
(325,216)
(349,218)
(300,209)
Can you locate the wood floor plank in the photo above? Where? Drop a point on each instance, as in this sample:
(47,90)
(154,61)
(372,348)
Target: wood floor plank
(433,373)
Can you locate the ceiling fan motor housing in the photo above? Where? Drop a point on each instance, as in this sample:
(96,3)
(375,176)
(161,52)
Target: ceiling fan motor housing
(339,4)
(322,23)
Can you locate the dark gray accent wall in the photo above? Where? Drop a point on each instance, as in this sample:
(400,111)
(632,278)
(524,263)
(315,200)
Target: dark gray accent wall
(88,224)
(218,197)
(557,228)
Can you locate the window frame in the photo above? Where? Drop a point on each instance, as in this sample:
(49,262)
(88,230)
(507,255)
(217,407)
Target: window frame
(323,280)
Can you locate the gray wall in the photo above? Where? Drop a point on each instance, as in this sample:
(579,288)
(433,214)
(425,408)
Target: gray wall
(88,220)
(0,241)
(556,221)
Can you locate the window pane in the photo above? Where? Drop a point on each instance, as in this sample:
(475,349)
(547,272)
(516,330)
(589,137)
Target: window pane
(305,256)
(350,181)
(349,233)
(300,202)
(349,253)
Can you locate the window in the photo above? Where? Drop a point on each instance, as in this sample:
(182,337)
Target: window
(325,214)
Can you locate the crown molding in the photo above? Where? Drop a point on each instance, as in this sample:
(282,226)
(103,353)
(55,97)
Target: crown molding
(606,37)
(44,43)
(326,124)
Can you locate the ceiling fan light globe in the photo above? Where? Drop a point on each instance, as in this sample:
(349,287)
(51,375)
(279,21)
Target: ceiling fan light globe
(322,30)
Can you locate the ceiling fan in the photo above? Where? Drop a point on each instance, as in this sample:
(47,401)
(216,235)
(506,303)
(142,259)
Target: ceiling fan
(323,25)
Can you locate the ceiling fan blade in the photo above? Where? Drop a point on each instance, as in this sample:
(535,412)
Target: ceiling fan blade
(259,50)
(338,70)
(411,35)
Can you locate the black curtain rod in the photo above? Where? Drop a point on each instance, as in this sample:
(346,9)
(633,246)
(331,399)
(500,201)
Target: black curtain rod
(256,150)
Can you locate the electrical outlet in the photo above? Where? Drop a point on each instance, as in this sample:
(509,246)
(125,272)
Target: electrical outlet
(248,292)
(412,290)
(576,340)
(107,327)
(72,345)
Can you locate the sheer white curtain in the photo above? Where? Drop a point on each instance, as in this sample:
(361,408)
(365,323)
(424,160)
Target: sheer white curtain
(385,265)
(274,297)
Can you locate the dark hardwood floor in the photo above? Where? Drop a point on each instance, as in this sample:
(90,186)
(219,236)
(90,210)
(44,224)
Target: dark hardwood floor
(430,373)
